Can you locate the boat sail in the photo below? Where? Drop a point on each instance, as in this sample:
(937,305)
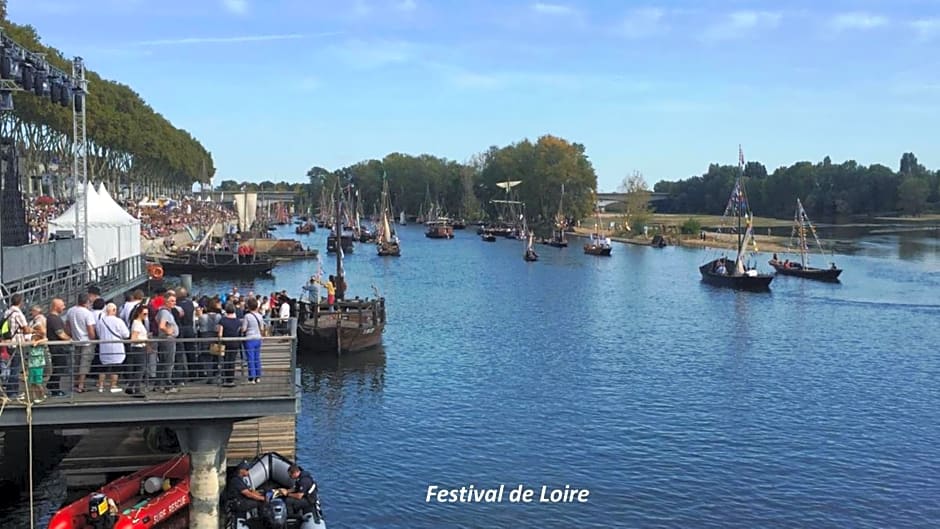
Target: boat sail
(530,254)
(558,239)
(802,224)
(722,272)
(401,218)
(599,244)
(388,243)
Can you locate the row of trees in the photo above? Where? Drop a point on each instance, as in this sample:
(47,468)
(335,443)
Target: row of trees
(466,189)
(129,143)
(826,189)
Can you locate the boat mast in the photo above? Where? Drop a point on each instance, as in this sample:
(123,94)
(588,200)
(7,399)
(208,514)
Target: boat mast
(338,226)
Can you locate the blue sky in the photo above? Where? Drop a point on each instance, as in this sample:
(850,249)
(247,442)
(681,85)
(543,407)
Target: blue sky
(274,87)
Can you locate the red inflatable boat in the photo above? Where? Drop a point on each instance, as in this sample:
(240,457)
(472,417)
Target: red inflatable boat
(141,500)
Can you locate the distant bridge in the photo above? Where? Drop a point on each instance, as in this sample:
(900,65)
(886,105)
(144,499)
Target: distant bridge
(615,201)
(265,198)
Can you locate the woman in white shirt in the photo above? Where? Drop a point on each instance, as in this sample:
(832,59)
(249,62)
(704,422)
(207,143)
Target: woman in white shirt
(110,327)
(139,361)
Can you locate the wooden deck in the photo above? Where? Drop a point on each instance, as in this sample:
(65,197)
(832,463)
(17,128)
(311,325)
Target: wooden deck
(104,453)
(275,394)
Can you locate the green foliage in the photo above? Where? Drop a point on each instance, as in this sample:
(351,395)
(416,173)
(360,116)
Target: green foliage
(637,212)
(826,189)
(127,140)
(465,190)
(912,195)
(691,226)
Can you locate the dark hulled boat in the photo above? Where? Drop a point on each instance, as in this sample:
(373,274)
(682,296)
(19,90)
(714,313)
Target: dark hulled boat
(598,247)
(346,241)
(459,224)
(658,241)
(387,244)
(734,274)
(356,325)
(230,264)
(787,268)
(801,224)
(488,237)
(439,229)
(305,228)
(750,280)
(351,326)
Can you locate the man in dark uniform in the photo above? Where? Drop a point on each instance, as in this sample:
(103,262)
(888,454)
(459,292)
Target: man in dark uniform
(303,497)
(241,497)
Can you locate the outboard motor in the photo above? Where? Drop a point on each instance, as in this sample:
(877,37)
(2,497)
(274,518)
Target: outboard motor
(274,514)
(100,515)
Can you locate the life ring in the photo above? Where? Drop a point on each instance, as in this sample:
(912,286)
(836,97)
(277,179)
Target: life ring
(155,271)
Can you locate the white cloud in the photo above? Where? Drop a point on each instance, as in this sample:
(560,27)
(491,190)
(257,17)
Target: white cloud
(220,40)
(858,20)
(552,9)
(238,7)
(642,22)
(406,5)
(926,28)
(742,23)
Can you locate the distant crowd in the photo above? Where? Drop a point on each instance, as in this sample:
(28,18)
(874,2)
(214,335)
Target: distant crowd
(38,215)
(157,222)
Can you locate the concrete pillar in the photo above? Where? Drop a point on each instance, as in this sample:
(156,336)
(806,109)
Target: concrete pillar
(186,281)
(205,444)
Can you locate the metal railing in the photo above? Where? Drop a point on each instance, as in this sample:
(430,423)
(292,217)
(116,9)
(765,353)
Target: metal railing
(76,373)
(67,282)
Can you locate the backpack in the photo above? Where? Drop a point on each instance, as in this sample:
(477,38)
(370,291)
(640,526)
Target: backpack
(5,332)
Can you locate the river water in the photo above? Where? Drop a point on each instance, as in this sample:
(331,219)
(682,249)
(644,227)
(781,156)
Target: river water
(674,403)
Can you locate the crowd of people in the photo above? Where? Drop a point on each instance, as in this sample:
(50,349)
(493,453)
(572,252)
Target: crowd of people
(164,220)
(38,215)
(156,221)
(142,345)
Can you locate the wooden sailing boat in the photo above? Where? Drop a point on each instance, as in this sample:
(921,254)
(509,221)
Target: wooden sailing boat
(599,244)
(349,325)
(801,223)
(558,239)
(735,274)
(530,254)
(388,244)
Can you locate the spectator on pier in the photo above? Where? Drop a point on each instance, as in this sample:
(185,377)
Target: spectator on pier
(141,361)
(111,327)
(60,380)
(81,327)
(37,359)
(128,308)
(230,326)
(186,320)
(38,319)
(207,326)
(168,331)
(93,294)
(252,327)
(17,327)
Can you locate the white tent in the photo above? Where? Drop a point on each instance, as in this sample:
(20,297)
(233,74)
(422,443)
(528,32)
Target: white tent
(128,227)
(112,235)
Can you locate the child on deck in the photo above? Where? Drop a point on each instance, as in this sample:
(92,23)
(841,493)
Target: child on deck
(37,364)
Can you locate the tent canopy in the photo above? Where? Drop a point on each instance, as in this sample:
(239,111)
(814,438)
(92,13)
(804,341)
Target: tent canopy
(113,234)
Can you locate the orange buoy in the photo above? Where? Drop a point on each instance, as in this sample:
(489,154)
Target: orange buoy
(155,271)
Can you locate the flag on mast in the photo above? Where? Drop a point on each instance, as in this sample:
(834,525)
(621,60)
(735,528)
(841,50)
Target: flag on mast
(740,156)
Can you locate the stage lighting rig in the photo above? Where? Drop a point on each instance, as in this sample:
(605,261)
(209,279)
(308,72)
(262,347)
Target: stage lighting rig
(27,71)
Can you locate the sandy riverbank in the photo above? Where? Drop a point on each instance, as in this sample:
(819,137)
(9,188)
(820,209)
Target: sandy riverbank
(765,243)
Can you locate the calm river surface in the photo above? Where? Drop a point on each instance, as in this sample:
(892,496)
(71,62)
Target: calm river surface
(677,404)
